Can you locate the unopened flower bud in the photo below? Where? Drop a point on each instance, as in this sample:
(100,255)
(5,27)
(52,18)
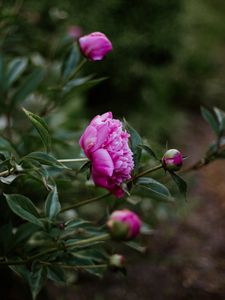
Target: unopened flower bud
(95,46)
(116,261)
(172,160)
(124,224)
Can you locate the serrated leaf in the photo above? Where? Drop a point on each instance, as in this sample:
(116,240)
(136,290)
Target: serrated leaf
(135,141)
(41,127)
(156,189)
(36,281)
(69,63)
(24,208)
(181,184)
(15,68)
(29,86)
(210,119)
(44,159)
(52,204)
(149,151)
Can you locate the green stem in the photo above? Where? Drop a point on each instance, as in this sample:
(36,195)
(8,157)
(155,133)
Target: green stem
(7,172)
(72,160)
(146,172)
(76,267)
(102,237)
(84,202)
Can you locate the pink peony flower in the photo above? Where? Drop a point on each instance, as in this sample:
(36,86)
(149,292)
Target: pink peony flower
(106,144)
(172,160)
(124,224)
(95,46)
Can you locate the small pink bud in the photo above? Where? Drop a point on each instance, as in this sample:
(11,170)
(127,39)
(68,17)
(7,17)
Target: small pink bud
(95,46)
(124,224)
(172,160)
(116,261)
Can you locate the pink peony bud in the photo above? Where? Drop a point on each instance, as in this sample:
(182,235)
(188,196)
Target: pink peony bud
(116,261)
(95,46)
(172,160)
(106,144)
(74,32)
(124,224)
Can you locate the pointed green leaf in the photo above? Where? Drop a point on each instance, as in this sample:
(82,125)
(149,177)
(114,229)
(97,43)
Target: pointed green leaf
(15,68)
(220,115)
(210,119)
(56,273)
(36,280)
(44,159)
(29,86)
(24,208)
(135,141)
(156,189)
(181,184)
(52,204)
(149,151)
(69,63)
(41,127)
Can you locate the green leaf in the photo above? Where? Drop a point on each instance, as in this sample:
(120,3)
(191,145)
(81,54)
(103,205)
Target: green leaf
(44,159)
(82,83)
(24,208)
(52,204)
(36,280)
(31,84)
(6,146)
(156,189)
(41,127)
(135,141)
(24,232)
(56,273)
(181,184)
(149,151)
(15,68)
(210,119)
(77,223)
(220,115)
(69,63)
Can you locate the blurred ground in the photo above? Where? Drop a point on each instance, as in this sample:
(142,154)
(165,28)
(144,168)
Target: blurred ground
(185,260)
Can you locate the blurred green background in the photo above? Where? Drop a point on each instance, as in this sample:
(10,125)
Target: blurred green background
(168,56)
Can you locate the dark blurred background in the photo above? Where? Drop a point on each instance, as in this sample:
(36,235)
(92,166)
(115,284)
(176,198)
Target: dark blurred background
(168,59)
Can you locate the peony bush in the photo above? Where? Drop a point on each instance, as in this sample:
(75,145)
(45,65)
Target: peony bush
(44,234)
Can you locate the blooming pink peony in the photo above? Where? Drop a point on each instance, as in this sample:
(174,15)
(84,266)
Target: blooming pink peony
(95,45)
(106,144)
(124,224)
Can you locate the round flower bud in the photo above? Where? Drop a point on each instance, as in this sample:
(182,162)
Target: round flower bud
(95,46)
(124,224)
(172,160)
(116,261)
